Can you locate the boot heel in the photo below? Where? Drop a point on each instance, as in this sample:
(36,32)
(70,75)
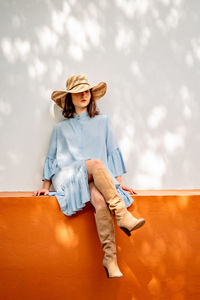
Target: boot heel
(140,223)
(106,272)
(126,231)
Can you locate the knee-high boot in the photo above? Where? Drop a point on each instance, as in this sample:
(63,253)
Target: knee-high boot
(104,183)
(106,233)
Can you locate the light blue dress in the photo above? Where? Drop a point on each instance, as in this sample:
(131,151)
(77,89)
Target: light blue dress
(72,142)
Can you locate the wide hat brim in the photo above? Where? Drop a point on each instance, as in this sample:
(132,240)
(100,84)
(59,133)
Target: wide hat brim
(98,91)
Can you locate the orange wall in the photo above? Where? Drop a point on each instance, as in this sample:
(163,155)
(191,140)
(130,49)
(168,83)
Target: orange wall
(47,255)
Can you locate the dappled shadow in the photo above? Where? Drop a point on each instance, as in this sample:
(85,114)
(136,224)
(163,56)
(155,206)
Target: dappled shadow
(147,52)
(163,257)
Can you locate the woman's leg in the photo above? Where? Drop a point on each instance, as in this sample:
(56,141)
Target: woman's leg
(104,183)
(92,166)
(106,231)
(96,198)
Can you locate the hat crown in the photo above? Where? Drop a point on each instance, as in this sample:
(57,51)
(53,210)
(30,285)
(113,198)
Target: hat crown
(76,80)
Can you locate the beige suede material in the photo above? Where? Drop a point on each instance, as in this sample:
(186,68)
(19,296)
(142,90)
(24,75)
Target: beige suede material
(106,233)
(104,183)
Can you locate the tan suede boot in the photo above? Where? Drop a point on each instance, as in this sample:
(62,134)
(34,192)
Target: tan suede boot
(104,183)
(106,233)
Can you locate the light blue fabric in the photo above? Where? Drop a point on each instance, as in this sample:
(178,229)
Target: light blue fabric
(72,142)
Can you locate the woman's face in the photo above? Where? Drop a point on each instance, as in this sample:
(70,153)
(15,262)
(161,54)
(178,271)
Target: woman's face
(81,100)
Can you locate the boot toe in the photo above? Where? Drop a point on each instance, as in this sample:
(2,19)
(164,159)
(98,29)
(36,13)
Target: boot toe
(139,224)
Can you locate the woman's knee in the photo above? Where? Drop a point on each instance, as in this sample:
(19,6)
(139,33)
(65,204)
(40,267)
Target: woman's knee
(92,165)
(95,162)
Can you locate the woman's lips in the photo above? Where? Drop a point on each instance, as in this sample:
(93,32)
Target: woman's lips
(83,100)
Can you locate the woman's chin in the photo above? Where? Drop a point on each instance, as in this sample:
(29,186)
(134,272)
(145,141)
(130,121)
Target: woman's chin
(84,104)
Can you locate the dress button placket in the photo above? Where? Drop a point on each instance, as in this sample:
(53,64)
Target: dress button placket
(81,137)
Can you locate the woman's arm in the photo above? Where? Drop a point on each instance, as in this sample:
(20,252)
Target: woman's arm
(46,184)
(124,187)
(119,178)
(44,190)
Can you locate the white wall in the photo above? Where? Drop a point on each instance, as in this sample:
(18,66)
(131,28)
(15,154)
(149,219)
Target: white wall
(149,54)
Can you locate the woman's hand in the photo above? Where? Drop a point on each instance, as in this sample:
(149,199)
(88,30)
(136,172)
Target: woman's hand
(128,189)
(41,192)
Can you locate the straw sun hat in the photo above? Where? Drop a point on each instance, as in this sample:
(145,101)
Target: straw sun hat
(76,84)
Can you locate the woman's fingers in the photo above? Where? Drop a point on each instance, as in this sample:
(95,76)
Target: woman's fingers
(41,192)
(133,192)
(126,188)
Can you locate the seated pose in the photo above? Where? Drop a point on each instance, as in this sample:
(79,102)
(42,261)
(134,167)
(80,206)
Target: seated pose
(84,163)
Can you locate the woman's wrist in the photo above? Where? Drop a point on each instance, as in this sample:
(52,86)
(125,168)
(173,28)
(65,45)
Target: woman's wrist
(46,184)
(119,178)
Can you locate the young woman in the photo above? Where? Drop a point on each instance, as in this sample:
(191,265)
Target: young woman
(84,163)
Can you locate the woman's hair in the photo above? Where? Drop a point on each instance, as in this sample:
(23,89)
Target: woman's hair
(69,109)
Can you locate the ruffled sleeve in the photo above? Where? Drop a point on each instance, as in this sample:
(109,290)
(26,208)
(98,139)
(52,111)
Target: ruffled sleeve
(114,155)
(50,168)
(50,165)
(116,163)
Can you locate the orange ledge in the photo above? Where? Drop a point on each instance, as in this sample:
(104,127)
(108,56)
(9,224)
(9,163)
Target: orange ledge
(47,255)
(139,193)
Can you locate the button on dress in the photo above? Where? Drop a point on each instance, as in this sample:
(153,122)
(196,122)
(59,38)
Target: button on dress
(72,142)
